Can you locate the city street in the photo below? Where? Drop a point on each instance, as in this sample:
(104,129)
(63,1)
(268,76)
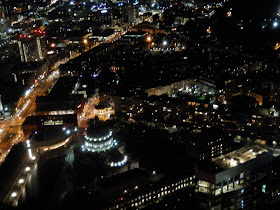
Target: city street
(11,129)
(11,132)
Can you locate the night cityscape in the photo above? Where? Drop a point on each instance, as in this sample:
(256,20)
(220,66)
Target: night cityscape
(139,104)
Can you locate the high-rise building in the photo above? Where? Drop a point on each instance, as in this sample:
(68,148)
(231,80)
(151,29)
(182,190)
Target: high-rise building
(131,14)
(237,180)
(210,143)
(32,48)
(4,11)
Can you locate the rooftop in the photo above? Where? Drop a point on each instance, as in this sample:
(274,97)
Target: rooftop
(98,131)
(63,86)
(39,119)
(135,34)
(50,135)
(239,156)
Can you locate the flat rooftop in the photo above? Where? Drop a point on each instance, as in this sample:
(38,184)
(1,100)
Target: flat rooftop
(239,156)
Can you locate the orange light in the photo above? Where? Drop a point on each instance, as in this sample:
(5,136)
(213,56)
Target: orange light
(149,39)
(208,30)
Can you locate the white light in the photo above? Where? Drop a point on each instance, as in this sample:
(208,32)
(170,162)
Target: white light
(14,194)
(27,169)
(68,132)
(27,92)
(275,24)
(20,181)
(33,158)
(30,153)
(164,43)
(28,143)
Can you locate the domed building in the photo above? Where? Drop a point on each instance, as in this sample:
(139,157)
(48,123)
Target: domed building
(100,148)
(98,139)
(116,159)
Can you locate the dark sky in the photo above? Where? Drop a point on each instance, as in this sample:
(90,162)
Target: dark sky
(255,8)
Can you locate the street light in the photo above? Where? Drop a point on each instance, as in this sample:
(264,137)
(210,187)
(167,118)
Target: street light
(275,24)
(164,43)
(53,45)
(149,39)
(85,41)
(14,194)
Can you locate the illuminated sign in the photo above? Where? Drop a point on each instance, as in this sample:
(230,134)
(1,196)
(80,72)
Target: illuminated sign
(50,122)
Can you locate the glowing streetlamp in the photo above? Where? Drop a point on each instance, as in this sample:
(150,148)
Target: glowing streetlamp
(208,30)
(275,24)
(85,41)
(164,43)
(53,45)
(14,194)
(149,39)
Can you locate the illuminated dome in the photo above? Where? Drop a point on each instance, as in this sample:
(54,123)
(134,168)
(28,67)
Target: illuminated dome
(98,139)
(116,159)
